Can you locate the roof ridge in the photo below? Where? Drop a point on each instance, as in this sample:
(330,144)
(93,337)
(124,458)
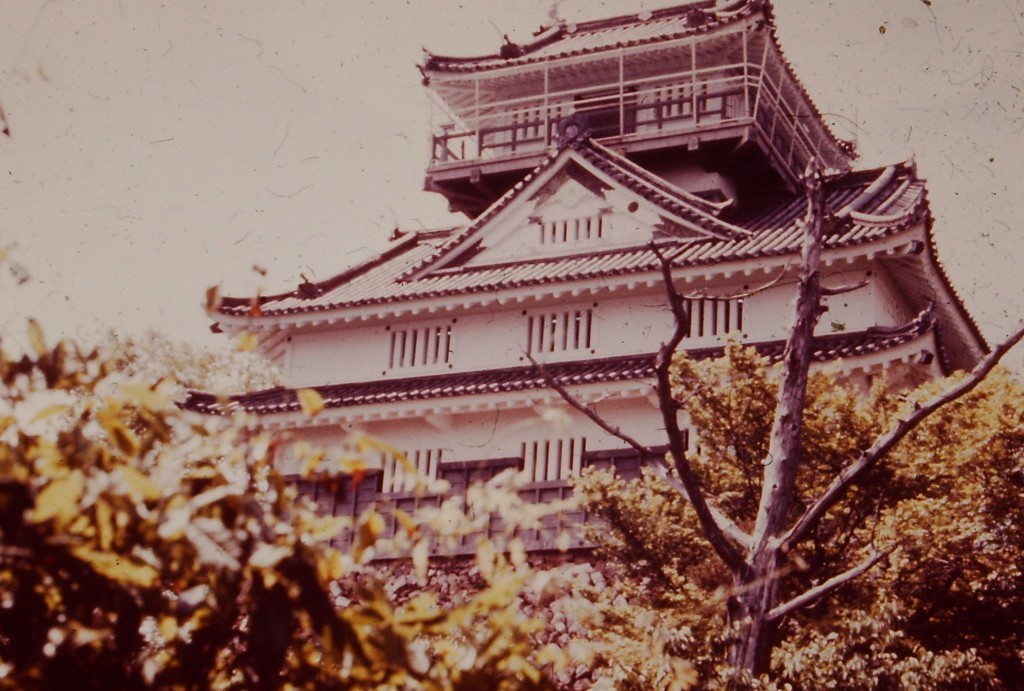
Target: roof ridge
(317,288)
(701,15)
(482,219)
(687,202)
(714,208)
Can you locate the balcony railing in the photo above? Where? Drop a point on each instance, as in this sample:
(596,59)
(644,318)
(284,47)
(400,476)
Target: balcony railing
(533,129)
(759,94)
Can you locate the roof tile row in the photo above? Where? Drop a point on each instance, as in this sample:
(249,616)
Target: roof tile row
(404,271)
(625,368)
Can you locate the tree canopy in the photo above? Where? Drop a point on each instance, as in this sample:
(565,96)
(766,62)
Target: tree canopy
(942,609)
(143,547)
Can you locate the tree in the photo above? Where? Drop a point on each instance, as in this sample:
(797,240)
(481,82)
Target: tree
(143,547)
(943,611)
(154,355)
(759,542)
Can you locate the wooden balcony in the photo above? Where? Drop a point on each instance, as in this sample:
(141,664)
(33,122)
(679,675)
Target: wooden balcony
(487,144)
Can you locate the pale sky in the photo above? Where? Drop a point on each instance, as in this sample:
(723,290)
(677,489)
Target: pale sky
(158,148)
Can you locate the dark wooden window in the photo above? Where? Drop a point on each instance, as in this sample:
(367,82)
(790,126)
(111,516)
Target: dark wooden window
(552,332)
(714,317)
(426,345)
(609,113)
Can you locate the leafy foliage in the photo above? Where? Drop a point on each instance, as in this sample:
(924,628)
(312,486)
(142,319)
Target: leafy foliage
(944,611)
(153,355)
(142,547)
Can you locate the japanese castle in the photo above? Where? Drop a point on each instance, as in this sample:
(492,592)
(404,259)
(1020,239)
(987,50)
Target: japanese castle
(580,158)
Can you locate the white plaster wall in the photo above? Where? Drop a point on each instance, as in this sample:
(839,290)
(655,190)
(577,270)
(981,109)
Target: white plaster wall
(627,220)
(632,323)
(495,434)
(769,314)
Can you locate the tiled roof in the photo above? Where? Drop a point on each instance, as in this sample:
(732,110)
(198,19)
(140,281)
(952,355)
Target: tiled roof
(633,367)
(567,40)
(680,203)
(879,203)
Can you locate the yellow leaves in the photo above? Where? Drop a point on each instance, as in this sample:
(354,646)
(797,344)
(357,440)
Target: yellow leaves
(125,440)
(118,567)
(213,299)
(148,397)
(365,444)
(246,342)
(268,556)
(486,558)
(683,676)
(369,528)
(168,628)
(310,401)
(35,337)
(310,460)
(46,412)
(332,565)
(104,524)
(352,466)
(407,522)
(420,557)
(324,528)
(141,487)
(59,499)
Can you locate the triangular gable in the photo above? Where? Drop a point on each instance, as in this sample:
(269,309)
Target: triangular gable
(582,199)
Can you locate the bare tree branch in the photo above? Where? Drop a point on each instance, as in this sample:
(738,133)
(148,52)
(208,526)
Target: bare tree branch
(885,443)
(845,288)
(729,527)
(819,591)
(713,531)
(597,419)
(701,295)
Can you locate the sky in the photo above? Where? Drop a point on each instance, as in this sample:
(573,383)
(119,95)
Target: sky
(159,148)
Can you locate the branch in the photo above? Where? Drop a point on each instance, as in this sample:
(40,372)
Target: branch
(845,288)
(713,530)
(885,443)
(819,591)
(729,527)
(701,295)
(785,445)
(644,451)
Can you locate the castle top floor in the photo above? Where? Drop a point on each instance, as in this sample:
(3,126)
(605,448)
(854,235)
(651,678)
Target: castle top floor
(698,85)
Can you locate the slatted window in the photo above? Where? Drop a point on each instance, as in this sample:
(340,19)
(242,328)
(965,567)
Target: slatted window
(426,345)
(559,331)
(714,317)
(553,459)
(400,477)
(571,230)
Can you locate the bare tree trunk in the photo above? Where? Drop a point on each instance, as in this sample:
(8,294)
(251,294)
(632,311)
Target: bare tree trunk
(757,583)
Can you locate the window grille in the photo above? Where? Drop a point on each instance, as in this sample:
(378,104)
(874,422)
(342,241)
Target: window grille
(571,230)
(559,331)
(713,317)
(397,477)
(427,345)
(553,459)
